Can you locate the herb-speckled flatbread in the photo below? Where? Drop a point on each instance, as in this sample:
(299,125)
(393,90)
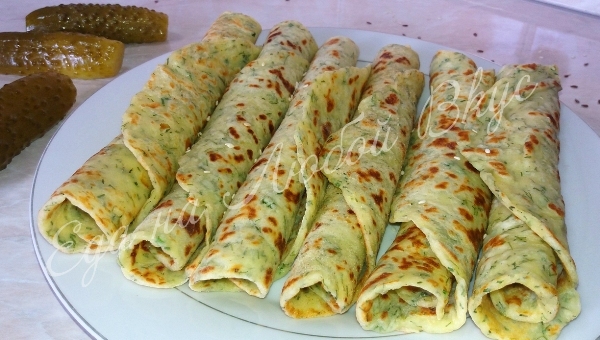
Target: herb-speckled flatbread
(362,162)
(212,170)
(421,282)
(263,226)
(526,278)
(158,127)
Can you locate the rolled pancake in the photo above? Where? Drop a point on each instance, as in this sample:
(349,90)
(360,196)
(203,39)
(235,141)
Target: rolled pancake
(262,228)
(86,212)
(421,282)
(362,162)
(211,172)
(157,137)
(90,211)
(526,278)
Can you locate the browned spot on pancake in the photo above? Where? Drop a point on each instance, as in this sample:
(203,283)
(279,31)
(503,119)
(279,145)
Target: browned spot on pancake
(153,106)
(262,116)
(290,196)
(381,277)
(494,242)
(238,158)
(368,175)
(267,230)
(164,204)
(431,210)
(392,99)
(326,129)
(496,139)
(529,147)
(463,135)
(211,252)
(206,269)
(374,142)
(225,171)
(405,264)
(392,176)
(235,268)
(273,35)
(351,212)
(443,142)
(226,235)
(289,87)
(553,120)
(259,163)
(471,167)
(558,210)
(500,168)
(271,126)
(240,104)
(317,243)
(269,276)
(465,213)
(402,60)
(273,220)
(233,132)
(442,185)
(134,251)
(332,251)
(187,250)
(330,102)
(249,211)
(514,300)
(214,156)
(468,72)
(378,198)
(386,55)
(290,282)
(451,175)
(191,224)
(475,236)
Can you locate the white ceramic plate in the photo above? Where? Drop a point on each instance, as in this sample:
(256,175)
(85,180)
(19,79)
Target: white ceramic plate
(106,305)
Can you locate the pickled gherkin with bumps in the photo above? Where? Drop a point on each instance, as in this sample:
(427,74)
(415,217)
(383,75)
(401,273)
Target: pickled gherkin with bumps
(128,24)
(29,107)
(77,55)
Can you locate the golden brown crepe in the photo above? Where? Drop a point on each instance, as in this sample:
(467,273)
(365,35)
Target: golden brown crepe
(212,170)
(262,226)
(362,162)
(421,282)
(526,278)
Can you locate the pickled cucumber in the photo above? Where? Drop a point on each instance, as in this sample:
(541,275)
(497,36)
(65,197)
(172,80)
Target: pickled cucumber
(128,24)
(29,107)
(77,55)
